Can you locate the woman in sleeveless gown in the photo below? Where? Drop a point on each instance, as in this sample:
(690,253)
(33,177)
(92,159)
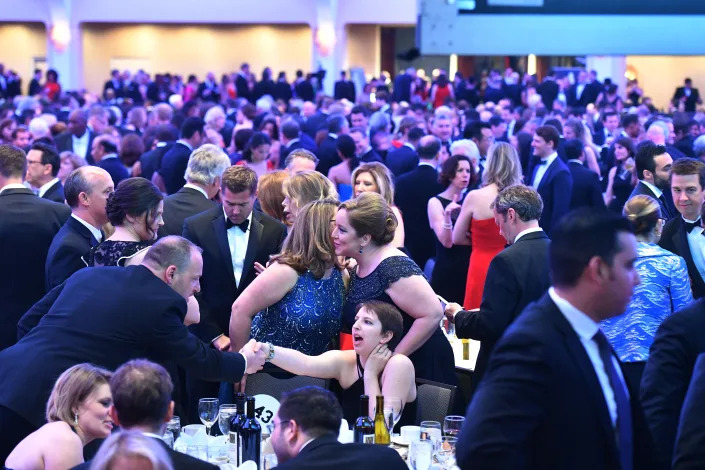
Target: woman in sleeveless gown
(451,266)
(476,226)
(621,178)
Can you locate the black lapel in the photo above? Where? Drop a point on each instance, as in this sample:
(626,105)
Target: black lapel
(552,168)
(82,230)
(253,243)
(222,237)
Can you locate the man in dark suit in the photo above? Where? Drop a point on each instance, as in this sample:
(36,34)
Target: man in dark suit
(292,138)
(327,152)
(550,177)
(570,405)
(365,153)
(303,87)
(683,235)
(151,160)
(27,226)
(43,164)
(208,90)
(78,139)
(404,159)
(233,238)
(264,86)
(344,88)
(318,120)
(175,160)
(105,154)
(688,96)
(653,169)
(305,436)
(413,190)
(107,316)
(114,84)
(300,160)
(87,192)
(282,89)
(689,452)
(548,89)
(517,276)
(203,177)
(480,133)
(583,92)
(587,191)
(241,82)
(35,85)
(664,384)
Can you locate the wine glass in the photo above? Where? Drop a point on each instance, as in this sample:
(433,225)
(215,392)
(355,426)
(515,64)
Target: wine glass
(392,412)
(174,427)
(431,430)
(452,425)
(226,412)
(208,412)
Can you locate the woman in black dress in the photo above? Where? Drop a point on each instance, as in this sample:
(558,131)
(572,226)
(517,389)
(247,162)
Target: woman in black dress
(451,267)
(364,231)
(621,177)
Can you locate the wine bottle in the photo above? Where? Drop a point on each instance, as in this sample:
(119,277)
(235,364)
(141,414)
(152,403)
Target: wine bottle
(251,435)
(381,431)
(236,423)
(364,426)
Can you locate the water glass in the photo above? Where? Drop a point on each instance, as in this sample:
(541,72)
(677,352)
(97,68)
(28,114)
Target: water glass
(200,452)
(446,452)
(218,454)
(431,430)
(168,439)
(226,412)
(208,412)
(420,453)
(174,426)
(269,461)
(452,425)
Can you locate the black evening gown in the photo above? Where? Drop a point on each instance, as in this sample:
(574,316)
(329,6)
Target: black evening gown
(451,268)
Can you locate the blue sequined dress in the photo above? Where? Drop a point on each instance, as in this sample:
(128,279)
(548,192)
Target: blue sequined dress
(307,318)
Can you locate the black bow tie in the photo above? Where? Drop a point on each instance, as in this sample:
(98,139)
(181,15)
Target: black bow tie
(244,225)
(689,226)
(541,162)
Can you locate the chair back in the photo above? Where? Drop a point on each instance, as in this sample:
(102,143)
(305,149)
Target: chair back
(434,400)
(263,383)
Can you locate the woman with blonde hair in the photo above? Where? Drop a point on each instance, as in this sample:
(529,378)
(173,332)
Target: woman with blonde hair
(305,187)
(69,162)
(131,449)
(664,289)
(270,194)
(575,129)
(475,225)
(77,413)
(377,178)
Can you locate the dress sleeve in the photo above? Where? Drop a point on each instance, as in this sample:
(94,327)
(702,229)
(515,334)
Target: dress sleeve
(681,293)
(392,269)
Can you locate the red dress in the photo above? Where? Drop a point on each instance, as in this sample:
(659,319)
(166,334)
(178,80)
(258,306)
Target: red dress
(441,94)
(486,243)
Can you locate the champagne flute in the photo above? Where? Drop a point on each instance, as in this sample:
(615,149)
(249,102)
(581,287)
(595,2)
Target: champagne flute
(452,425)
(208,412)
(392,412)
(225,412)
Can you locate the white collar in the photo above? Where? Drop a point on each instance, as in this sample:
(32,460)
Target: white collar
(411,146)
(108,156)
(197,188)
(151,434)
(306,443)
(583,325)
(161,144)
(13,186)
(335,136)
(97,234)
(295,139)
(427,164)
(84,136)
(183,142)
(653,189)
(550,159)
(528,230)
(43,189)
(575,160)
(249,217)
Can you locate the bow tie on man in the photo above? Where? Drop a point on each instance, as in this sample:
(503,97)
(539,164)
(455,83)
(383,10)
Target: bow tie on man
(244,225)
(689,226)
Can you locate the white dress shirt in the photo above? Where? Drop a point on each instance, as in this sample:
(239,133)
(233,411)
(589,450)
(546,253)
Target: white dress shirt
(97,234)
(657,192)
(527,231)
(696,243)
(586,328)
(80,144)
(579,90)
(43,189)
(541,169)
(237,242)
(183,142)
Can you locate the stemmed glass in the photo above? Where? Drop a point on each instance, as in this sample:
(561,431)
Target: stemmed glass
(208,412)
(392,412)
(431,430)
(224,414)
(174,427)
(452,425)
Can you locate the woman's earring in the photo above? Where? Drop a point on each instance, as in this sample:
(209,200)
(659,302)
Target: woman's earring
(360,249)
(75,419)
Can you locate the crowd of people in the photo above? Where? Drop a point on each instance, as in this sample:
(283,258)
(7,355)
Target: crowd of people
(221,228)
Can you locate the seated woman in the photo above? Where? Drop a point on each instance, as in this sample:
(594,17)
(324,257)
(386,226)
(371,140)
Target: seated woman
(77,413)
(304,187)
(372,368)
(296,302)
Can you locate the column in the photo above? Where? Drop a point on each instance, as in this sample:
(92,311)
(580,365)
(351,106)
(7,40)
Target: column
(609,66)
(64,45)
(329,43)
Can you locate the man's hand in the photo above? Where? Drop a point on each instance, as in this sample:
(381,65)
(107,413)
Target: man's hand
(255,353)
(450,311)
(222,343)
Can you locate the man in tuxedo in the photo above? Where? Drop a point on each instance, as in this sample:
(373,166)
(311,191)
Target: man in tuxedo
(78,138)
(203,178)
(209,90)
(282,89)
(327,152)
(233,238)
(688,96)
(364,151)
(587,191)
(142,403)
(683,235)
(404,159)
(318,120)
(151,160)
(672,358)
(344,88)
(359,117)
(480,133)
(403,86)
(583,92)
(114,84)
(87,192)
(548,89)
(43,165)
(413,190)
(105,154)
(550,177)
(241,82)
(689,452)
(305,436)
(570,405)
(653,169)
(35,85)
(303,87)
(27,226)
(292,138)
(107,316)
(175,160)
(517,276)
(442,127)
(608,131)
(300,160)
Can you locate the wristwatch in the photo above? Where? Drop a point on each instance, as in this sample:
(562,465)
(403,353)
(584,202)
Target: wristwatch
(270,356)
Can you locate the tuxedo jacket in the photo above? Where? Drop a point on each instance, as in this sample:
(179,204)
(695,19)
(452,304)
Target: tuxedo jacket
(541,406)
(263,88)
(371,156)
(677,344)
(27,227)
(402,160)
(64,141)
(304,90)
(67,251)
(668,210)
(243,89)
(327,155)
(589,95)
(517,276)
(282,91)
(55,193)
(151,160)
(174,163)
(218,287)
(690,102)
(344,89)
(314,123)
(689,452)
(413,190)
(304,142)
(326,452)
(554,189)
(587,191)
(181,205)
(674,238)
(402,88)
(548,89)
(115,168)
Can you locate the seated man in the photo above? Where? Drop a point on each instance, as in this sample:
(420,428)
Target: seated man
(305,436)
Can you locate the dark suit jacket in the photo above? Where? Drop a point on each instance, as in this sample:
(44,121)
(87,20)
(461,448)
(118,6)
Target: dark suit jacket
(517,276)
(151,160)
(677,344)
(541,406)
(314,123)
(402,160)
(55,193)
(371,156)
(554,188)
(668,210)
(115,168)
(243,89)
(589,95)
(304,142)
(64,142)
(344,89)
(674,238)
(690,102)
(548,89)
(218,288)
(70,244)
(27,227)
(689,452)
(402,88)
(181,205)
(282,91)
(304,90)
(174,163)
(587,191)
(327,155)
(326,452)
(413,190)
(263,87)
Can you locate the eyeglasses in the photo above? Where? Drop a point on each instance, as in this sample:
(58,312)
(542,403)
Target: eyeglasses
(270,427)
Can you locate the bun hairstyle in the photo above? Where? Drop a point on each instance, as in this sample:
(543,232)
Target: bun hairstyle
(643,212)
(369,214)
(136,197)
